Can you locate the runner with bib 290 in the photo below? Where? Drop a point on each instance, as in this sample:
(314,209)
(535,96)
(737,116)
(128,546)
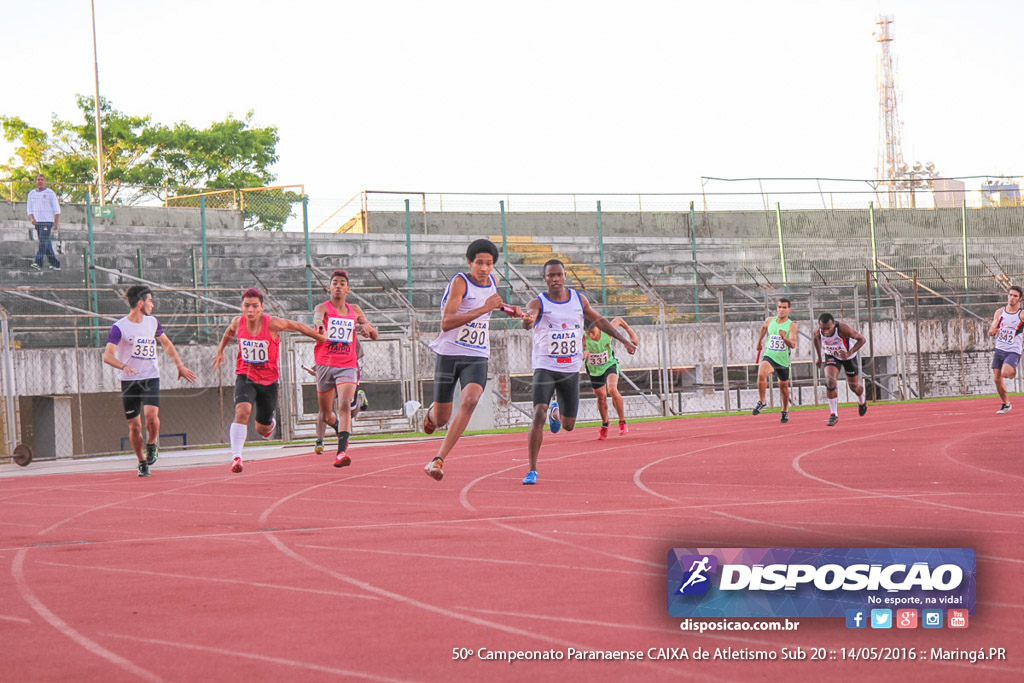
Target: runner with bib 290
(464,346)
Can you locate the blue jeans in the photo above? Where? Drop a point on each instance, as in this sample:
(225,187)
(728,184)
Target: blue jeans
(45,230)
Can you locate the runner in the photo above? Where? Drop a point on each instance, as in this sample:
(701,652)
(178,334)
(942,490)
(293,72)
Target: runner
(603,369)
(337,367)
(782,337)
(256,368)
(463,347)
(1008,329)
(835,337)
(557,318)
(131,349)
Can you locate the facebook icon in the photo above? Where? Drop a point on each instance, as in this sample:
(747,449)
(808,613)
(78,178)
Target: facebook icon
(856,618)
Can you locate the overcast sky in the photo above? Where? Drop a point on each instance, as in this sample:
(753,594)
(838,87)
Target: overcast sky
(540,96)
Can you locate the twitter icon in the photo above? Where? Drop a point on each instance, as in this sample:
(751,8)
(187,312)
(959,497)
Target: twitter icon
(881,618)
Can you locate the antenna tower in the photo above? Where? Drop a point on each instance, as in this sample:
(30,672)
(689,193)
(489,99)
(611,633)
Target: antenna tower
(890,166)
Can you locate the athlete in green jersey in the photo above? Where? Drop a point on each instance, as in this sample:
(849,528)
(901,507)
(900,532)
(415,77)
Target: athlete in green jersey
(781,332)
(603,369)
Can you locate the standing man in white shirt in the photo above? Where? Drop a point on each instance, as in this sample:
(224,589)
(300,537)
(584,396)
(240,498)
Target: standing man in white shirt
(44,212)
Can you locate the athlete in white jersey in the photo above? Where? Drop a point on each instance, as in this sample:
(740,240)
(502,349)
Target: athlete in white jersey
(463,347)
(556,318)
(1008,329)
(131,349)
(839,343)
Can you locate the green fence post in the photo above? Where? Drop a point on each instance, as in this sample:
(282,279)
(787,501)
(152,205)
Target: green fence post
(203,255)
(963,234)
(782,246)
(309,263)
(90,279)
(504,248)
(693,250)
(600,251)
(408,251)
(138,262)
(874,254)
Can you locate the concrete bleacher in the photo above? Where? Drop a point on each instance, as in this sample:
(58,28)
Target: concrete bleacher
(169,243)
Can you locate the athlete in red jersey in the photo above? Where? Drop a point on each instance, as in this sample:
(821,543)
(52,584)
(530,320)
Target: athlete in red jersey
(337,369)
(256,369)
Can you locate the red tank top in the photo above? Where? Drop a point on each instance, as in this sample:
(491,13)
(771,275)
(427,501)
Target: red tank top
(257,353)
(340,349)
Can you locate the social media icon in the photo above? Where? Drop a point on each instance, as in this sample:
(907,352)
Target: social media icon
(881,618)
(906,618)
(957,618)
(931,618)
(856,618)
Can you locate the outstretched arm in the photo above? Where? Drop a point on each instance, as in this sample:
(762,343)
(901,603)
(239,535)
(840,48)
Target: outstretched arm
(619,322)
(602,324)
(281,325)
(183,372)
(229,334)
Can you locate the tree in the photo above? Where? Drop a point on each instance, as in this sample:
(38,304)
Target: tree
(144,160)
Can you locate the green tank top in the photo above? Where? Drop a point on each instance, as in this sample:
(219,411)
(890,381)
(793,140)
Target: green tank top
(775,348)
(601,357)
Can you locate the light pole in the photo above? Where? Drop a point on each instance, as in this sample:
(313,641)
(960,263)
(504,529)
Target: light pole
(99,121)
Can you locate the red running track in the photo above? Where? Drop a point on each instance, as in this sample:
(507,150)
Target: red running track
(297,570)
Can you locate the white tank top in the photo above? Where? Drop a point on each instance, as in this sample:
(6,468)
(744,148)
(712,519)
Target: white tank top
(831,345)
(558,334)
(473,338)
(136,347)
(1006,339)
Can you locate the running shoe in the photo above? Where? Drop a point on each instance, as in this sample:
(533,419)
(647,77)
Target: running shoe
(236,465)
(761,405)
(342,460)
(36,266)
(603,434)
(862,409)
(623,430)
(832,420)
(273,426)
(1006,407)
(143,469)
(319,447)
(785,417)
(553,423)
(531,478)
(364,402)
(434,468)
(151,455)
(428,424)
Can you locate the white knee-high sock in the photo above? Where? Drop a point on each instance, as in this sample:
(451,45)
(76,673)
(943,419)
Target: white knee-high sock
(237,434)
(833,405)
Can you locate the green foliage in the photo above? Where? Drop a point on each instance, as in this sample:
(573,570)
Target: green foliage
(142,159)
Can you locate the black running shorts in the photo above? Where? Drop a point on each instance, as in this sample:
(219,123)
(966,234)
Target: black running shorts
(847,364)
(566,385)
(263,397)
(599,381)
(138,393)
(450,370)
(781,371)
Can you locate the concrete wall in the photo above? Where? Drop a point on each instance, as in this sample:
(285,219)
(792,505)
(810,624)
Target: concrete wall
(149,216)
(1006,222)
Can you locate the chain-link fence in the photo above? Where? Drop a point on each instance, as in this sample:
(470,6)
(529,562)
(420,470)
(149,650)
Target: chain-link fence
(696,285)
